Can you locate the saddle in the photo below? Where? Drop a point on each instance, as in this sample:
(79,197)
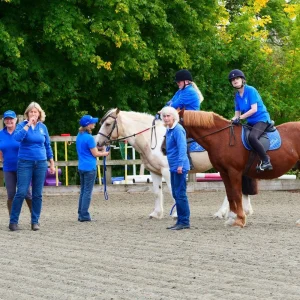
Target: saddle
(270,139)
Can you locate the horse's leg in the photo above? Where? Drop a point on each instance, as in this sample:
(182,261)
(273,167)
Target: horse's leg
(157,189)
(233,185)
(298,222)
(247,205)
(223,210)
(166,175)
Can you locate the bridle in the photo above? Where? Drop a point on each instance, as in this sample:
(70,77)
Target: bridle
(115,125)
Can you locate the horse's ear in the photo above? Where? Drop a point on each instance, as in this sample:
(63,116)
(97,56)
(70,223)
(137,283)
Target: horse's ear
(117,111)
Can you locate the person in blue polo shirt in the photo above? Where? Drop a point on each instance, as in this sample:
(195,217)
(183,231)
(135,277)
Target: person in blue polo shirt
(249,106)
(176,146)
(188,96)
(87,152)
(9,149)
(35,150)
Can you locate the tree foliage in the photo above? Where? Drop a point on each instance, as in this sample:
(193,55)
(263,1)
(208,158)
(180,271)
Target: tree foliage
(85,56)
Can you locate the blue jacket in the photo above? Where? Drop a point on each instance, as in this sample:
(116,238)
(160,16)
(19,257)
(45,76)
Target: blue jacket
(187,98)
(10,148)
(177,148)
(243,104)
(35,143)
(84,143)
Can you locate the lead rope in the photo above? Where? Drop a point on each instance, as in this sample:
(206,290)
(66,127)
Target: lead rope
(104,174)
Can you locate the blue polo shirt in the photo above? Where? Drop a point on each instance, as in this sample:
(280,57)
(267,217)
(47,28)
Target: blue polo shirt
(84,143)
(243,104)
(187,98)
(10,148)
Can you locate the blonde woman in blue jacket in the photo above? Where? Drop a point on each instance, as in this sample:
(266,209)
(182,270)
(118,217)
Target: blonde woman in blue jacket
(35,149)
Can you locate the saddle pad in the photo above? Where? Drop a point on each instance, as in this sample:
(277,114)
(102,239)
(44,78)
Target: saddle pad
(274,137)
(195,147)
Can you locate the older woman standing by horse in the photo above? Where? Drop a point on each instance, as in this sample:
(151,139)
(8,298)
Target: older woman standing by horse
(176,147)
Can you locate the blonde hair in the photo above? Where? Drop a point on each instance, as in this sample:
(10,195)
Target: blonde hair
(32,105)
(197,90)
(83,129)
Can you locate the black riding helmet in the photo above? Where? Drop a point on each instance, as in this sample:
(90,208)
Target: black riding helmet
(236,73)
(183,75)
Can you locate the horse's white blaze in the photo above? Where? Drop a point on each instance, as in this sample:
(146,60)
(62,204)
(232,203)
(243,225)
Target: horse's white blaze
(130,123)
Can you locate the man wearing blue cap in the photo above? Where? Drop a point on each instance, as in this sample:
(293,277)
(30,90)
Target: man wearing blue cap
(87,152)
(9,149)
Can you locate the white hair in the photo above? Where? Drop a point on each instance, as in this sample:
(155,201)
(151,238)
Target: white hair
(169,110)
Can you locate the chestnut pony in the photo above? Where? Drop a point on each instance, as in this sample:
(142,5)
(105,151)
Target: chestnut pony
(222,140)
(136,128)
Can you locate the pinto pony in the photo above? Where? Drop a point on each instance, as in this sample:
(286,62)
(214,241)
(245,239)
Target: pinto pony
(228,155)
(137,129)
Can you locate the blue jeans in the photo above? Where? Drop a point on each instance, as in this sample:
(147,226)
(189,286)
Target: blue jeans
(87,180)
(34,172)
(178,183)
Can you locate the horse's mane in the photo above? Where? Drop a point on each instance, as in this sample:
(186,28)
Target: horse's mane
(203,119)
(138,116)
(107,114)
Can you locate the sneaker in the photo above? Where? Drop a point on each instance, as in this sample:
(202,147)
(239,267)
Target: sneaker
(266,165)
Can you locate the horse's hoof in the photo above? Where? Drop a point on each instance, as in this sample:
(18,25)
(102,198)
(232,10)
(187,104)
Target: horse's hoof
(241,222)
(230,222)
(249,212)
(218,215)
(155,216)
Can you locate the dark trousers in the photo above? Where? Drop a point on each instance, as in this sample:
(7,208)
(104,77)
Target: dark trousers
(257,130)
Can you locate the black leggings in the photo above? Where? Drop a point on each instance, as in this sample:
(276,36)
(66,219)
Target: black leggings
(257,130)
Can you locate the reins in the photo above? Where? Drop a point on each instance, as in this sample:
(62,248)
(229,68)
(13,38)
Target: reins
(231,126)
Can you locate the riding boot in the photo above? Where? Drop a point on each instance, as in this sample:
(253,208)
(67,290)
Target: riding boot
(29,204)
(9,204)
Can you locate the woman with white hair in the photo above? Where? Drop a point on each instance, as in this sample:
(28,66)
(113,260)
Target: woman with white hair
(35,149)
(176,148)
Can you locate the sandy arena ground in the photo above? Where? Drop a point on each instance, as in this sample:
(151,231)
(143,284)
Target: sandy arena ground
(126,255)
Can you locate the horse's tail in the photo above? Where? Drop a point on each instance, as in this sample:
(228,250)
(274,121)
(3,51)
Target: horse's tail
(249,186)
(296,166)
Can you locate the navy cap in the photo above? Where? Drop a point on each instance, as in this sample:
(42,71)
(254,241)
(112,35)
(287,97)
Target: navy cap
(87,120)
(9,114)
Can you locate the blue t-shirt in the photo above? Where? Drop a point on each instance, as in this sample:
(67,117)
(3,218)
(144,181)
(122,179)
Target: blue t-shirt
(84,143)
(243,104)
(35,143)
(188,98)
(10,148)
(177,148)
